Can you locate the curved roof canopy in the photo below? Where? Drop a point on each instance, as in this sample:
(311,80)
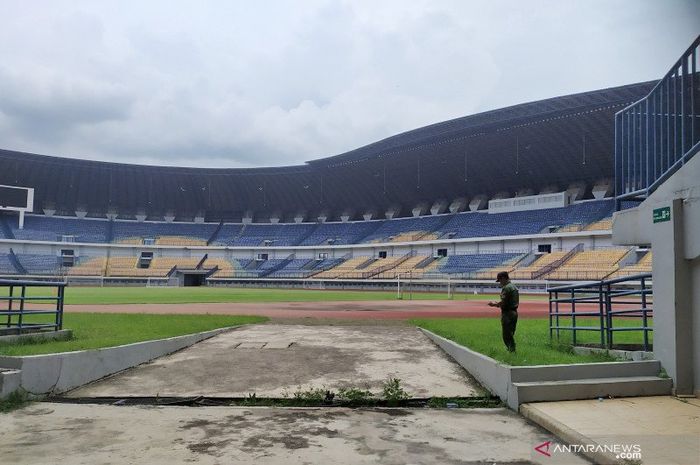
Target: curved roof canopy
(551,143)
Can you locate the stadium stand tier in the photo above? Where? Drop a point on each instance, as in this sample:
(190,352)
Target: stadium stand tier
(42,228)
(589,215)
(163,233)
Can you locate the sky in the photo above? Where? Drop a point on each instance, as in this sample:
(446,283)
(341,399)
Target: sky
(274,83)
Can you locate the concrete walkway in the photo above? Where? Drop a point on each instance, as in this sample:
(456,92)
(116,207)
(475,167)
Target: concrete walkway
(667,429)
(96,434)
(277,360)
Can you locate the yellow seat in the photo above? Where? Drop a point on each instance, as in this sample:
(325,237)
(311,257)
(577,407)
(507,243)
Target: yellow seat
(589,265)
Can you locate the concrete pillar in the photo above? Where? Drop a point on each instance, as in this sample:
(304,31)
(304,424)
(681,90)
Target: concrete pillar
(674,239)
(419,210)
(438,207)
(478,203)
(673,327)
(458,205)
(602,189)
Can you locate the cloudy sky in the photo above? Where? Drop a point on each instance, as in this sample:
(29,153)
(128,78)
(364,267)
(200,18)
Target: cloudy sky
(242,83)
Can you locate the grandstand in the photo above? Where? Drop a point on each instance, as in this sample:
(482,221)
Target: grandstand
(415,204)
(588,217)
(594,215)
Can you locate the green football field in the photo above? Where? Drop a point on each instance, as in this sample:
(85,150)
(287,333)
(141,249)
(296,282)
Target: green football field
(172,295)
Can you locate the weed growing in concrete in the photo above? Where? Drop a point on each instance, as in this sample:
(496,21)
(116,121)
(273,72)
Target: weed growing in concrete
(393,393)
(355,396)
(250,400)
(313,396)
(16,400)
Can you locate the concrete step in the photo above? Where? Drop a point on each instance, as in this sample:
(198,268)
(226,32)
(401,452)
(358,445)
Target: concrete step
(592,388)
(585,371)
(9,381)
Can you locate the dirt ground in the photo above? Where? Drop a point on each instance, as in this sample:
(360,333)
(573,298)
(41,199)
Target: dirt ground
(364,310)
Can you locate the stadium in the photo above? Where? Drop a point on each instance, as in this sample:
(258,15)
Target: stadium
(362,307)
(426,204)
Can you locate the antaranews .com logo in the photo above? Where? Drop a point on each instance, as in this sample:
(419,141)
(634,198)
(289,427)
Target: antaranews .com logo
(619,451)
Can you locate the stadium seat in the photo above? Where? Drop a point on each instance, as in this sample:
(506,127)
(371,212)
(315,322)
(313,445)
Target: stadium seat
(468,265)
(589,265)
(86,266)
(528,271)
(642,266)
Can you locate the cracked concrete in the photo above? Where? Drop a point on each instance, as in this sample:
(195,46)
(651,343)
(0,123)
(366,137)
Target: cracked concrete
(46,433)
(259,359)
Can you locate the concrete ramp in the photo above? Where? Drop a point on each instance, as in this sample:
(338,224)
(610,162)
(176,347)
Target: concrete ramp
(277,360)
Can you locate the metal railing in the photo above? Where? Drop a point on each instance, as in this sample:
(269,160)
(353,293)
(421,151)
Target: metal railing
(656,135)
(595,307)
(18,317)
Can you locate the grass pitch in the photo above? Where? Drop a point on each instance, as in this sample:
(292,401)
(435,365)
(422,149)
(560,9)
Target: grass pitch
(534,347)
(97,330)
(181,295)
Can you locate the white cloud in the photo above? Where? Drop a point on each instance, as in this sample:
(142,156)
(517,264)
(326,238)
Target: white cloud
(223,83)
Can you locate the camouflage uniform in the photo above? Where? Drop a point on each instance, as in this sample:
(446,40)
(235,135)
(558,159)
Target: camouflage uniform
(510,299)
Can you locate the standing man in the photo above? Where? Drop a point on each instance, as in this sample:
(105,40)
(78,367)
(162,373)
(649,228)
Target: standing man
(510,298)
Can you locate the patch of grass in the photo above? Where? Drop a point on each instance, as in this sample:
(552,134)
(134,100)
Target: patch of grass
(355,396)
(534,347)
(97,330)
(16,400)
(178,295)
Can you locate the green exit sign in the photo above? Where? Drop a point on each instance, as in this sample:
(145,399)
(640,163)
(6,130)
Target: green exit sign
(662,214)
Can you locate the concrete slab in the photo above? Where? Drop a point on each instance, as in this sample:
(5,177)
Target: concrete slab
(97,434)
(236,364)
(251,345)
(278,345)
(667,429)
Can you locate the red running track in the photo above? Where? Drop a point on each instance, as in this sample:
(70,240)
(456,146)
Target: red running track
(356,310)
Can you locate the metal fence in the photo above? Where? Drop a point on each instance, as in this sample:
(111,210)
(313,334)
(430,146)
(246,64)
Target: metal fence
(599,307)
(45,309)
(656,135)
